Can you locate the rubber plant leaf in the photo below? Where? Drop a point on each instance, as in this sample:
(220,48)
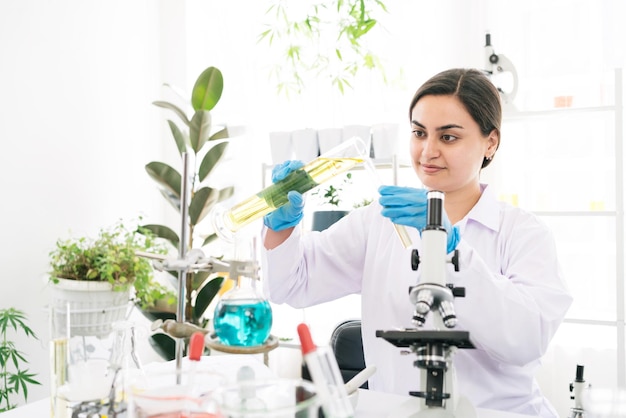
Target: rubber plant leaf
(206,295)
(225,193)
(209,239)
(207,90)
(179,137)
(211,158)
(174,108)
(221,134)
(199,129)
(201,203)
(164,345)
(167,177)
(162,231)
(171,198)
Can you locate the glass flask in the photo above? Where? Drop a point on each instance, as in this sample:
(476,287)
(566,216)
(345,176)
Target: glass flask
(242,316)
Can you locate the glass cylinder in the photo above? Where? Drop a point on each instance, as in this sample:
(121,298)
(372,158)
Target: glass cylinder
(82,379)
(322,169)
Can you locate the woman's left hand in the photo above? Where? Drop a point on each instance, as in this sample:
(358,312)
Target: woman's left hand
(408,206)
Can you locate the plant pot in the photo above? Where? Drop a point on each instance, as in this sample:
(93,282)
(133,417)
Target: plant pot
(93,306)
(324,218)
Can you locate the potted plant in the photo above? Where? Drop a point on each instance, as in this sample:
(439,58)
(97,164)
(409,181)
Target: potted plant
(330,211)
(94,277)
(14,378)
(205,145)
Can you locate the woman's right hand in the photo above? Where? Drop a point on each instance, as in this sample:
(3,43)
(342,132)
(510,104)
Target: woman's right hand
(290,214)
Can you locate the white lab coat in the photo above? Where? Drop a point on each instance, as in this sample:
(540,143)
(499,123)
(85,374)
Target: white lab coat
(515,296)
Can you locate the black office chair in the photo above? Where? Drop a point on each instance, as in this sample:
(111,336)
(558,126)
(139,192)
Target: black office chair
(347,344)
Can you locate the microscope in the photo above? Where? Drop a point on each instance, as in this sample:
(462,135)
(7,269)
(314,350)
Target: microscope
(435,348)
(497,66)
(577,389)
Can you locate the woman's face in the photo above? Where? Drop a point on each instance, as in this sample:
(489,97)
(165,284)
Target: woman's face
(447,147)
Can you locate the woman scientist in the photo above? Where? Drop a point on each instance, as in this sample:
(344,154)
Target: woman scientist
(515,293)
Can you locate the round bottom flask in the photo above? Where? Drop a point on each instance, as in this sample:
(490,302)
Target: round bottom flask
(242,316)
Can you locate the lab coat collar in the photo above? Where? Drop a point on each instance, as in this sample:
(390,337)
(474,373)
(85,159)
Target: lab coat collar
(486,211)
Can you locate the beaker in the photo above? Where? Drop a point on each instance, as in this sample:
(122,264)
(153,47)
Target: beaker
(164,392)
(273,398)
(322,169)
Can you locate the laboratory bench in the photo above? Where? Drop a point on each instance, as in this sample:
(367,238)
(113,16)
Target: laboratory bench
(370,404)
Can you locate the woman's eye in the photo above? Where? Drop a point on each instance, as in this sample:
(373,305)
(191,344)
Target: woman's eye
(418,133)
(448,138)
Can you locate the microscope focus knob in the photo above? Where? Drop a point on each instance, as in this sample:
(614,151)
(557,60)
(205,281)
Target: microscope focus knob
(493,58)
(415,260)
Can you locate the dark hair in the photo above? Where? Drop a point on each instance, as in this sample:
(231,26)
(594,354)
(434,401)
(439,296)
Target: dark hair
(474,89)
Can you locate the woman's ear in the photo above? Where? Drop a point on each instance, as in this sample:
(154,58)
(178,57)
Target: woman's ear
(493,141)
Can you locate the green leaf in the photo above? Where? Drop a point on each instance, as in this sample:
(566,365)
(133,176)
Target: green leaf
(167,177)
(167,105)
(22,379)
(207,90)
(179,137)
(221,134)
(162,231)
(201,204)
(206,295)
(211,159)
(225,193)
(199,129)
(209,239)
(164,345)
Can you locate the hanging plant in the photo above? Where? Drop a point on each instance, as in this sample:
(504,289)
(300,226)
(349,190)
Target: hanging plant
(325,39)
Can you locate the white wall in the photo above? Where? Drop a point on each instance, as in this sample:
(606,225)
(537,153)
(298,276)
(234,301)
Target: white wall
(76,127)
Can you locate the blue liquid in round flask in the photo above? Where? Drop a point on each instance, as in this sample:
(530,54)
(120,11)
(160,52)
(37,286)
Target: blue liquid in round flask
(242,317)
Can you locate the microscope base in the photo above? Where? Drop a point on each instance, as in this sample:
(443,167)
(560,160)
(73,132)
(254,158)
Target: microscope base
(413,408)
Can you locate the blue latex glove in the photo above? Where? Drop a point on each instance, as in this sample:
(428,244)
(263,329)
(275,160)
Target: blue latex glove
(408,206)
(291,213)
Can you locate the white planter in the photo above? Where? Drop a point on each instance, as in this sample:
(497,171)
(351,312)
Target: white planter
(305,145)
(93,306)
(281,147)
(329,138)
(385,140)
(360,131)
